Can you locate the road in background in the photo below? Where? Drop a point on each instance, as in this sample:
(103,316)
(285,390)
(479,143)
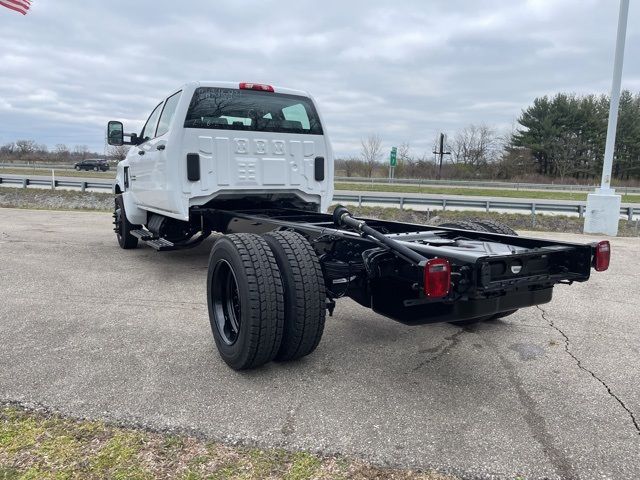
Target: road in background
(92,330)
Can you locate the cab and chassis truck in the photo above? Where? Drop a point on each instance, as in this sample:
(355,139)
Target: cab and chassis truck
(253,164)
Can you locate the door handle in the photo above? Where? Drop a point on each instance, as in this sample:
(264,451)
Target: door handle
(140,152)
(161,147)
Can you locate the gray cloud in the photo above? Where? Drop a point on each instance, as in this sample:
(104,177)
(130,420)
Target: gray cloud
(405,70)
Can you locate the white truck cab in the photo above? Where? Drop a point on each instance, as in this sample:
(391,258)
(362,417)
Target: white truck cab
(213,141)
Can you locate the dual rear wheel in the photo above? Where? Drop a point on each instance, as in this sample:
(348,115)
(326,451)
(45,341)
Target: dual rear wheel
(266,298)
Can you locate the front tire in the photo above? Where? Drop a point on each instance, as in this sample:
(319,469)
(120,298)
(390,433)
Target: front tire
(304,294)
(123,226)
(245,300)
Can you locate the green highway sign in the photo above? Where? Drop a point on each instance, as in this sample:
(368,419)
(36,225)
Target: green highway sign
(392,158)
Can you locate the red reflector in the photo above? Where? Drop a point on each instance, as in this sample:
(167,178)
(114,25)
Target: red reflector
(437,278)
(603,254)
(256,86)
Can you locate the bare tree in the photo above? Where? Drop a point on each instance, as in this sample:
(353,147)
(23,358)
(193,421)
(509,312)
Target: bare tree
(371,152)
(404,153)
(475,146)
(118,152)
(81,151)
(8,149)
(61,152)
(25,147)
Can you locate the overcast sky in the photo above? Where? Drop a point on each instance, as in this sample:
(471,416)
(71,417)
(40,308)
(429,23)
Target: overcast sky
(405,70)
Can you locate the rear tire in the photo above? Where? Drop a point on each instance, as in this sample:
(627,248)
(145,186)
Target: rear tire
(245,300)
(304,294)
(123,226)
(494,226)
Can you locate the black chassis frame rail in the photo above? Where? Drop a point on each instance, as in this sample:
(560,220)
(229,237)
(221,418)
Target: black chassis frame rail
(377,276)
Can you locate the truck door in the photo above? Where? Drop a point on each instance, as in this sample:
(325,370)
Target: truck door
(143,162)
(161,192)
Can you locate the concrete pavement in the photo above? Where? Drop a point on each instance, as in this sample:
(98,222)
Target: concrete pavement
(94,331)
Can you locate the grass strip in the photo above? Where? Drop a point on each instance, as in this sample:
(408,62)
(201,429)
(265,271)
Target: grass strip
(41,445)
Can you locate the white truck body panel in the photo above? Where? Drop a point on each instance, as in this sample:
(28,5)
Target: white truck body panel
(233,163)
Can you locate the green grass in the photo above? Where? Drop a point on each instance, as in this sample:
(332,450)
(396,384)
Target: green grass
(481,192)
(39,445)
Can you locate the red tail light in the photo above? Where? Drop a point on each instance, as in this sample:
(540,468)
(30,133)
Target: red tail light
(256,86)
(602,256)
(437,278)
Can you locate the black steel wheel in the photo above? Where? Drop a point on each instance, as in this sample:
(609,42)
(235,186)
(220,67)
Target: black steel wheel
(245,300)
(122,226)
(304,294)
(226,302)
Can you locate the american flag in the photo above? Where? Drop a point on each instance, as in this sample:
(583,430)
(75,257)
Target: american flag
(20,6)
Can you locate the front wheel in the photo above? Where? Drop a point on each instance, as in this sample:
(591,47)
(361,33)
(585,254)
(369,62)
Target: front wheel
(245,300)
(122,226)
(77,168)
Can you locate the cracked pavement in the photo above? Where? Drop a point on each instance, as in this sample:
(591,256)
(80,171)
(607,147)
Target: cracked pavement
(92,331)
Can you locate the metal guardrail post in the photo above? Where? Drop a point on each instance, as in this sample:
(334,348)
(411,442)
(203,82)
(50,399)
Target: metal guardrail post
(488,206)
(401,203)
(444,204)
(581,211)
(25,182)
(630,213)
(533,215)
(359,200)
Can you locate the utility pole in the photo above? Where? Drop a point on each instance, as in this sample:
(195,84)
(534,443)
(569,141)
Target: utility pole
(439,151)
(603,206)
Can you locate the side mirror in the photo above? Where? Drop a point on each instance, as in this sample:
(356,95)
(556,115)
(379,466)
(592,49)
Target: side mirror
(115,133)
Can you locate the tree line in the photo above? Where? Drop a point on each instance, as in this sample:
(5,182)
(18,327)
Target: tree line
(560,137)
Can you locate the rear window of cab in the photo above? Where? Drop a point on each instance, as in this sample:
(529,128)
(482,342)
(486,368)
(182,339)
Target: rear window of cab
(233,109)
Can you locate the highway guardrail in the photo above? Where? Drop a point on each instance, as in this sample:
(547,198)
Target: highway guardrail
(630,211)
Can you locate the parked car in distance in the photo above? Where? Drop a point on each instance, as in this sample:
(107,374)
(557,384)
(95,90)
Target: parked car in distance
(92,164)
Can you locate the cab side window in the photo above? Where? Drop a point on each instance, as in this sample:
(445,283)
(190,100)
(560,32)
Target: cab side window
(150,126)
(167,114)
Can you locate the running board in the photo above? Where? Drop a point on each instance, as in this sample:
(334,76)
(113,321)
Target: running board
(159,244)
(163,245)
